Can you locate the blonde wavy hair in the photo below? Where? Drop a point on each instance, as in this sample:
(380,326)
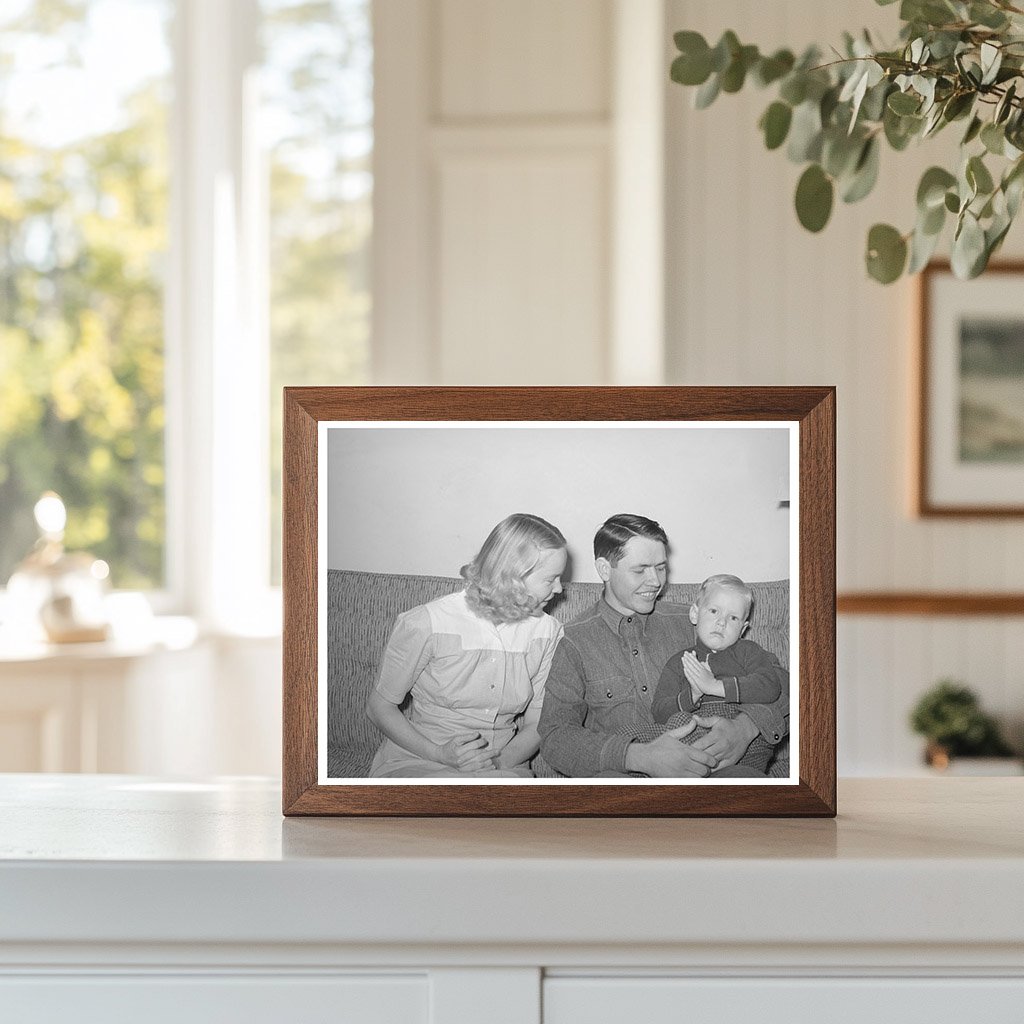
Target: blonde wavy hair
(725,581)
(494,579)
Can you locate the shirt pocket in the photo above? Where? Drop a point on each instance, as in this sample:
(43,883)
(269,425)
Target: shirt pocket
(611,703)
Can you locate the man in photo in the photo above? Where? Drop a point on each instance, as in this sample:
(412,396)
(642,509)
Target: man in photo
(606,670)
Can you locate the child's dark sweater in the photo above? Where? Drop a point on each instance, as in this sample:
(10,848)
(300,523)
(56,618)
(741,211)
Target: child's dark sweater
(748,672)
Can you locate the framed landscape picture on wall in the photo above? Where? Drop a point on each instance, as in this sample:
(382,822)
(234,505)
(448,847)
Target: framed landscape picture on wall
(970,451)
(559,601)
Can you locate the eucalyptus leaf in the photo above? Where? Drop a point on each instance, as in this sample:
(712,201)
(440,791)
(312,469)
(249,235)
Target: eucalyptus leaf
(840,152)
(794,88)
(886,253)
(873,106)
(922,248)
(952,202)
(991,59)
(735,74)
(775,123)
(725,51)
(693,65)
(932,221)
(978,176)
(903,103)
(931,190)
(865,174)
(993,138)
(805,133)
(972,132)
(771,69)
(814,195)
(900,130)
(1004,106)
(968,247)
(707,93)
(987,15)
(958,105)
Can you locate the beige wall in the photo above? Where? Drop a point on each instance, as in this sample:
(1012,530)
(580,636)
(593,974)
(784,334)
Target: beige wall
(754,299)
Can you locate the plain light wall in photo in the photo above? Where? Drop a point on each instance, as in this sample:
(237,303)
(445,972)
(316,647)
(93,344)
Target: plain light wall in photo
(421,500)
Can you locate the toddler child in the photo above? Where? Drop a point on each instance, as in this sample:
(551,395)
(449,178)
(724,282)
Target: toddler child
(721,672)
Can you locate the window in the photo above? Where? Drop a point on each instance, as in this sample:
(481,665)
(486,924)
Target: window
(317,127)
(83,235)
(185,220)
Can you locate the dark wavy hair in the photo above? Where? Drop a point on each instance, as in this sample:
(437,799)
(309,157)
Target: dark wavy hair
(494,579)
(615,533)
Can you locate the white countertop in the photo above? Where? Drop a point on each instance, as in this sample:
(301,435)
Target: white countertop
(125,859)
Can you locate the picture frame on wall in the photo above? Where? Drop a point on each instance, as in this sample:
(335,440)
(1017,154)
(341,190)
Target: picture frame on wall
(471,572)
(970,419)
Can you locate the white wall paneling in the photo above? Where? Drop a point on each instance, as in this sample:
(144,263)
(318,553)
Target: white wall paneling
(752,298)
(518,200)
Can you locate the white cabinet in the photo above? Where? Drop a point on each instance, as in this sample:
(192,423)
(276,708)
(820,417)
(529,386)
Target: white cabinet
(97,707)
(134,898)
(202,999)
(824,1000)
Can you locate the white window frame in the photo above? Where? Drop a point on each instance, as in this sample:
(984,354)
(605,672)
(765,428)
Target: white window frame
(217,353)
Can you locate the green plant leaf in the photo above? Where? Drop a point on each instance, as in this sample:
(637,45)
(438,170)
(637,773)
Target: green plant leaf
(968,248)
(987,15)
(814,194)
(904,103)
(805,133)
(794,89)
(735,74)
(978,176)
(991,60)
(775,124)
(887,253)
(958,105)
(688,71)
(931,191)
(865,173)
(1004,106)
(725,51)
(771,69)
(993,138)
(922,247)
(839,151)
(973,129)
(707,93)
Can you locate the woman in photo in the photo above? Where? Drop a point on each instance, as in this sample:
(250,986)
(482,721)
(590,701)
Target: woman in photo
(474,664)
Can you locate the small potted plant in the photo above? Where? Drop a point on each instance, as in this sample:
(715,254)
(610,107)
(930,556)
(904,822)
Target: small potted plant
(950,717)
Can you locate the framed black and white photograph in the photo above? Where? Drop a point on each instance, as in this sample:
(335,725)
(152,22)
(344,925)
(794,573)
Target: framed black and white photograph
(574,601)
(970,454)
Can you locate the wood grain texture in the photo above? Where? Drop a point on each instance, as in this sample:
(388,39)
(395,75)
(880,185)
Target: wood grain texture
(812,407)
(923,503)
(925,603)
(299,595)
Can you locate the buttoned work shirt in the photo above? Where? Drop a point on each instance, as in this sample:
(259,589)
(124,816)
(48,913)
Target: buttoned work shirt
(602,683)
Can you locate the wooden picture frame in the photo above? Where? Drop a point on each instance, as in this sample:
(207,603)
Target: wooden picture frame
(320,421)
(969,447)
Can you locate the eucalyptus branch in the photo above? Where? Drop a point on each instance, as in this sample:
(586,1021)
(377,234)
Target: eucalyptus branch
(833,117)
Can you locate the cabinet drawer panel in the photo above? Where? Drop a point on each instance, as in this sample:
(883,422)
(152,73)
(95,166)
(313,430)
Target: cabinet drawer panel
(783,1000)
(202,999)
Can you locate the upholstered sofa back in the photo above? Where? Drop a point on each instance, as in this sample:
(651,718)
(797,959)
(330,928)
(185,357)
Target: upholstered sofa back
(361,611)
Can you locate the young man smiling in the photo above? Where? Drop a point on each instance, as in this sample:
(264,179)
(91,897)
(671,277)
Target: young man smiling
(607,665)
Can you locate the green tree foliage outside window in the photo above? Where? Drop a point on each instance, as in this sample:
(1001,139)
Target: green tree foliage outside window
(318,117)
(83,215)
